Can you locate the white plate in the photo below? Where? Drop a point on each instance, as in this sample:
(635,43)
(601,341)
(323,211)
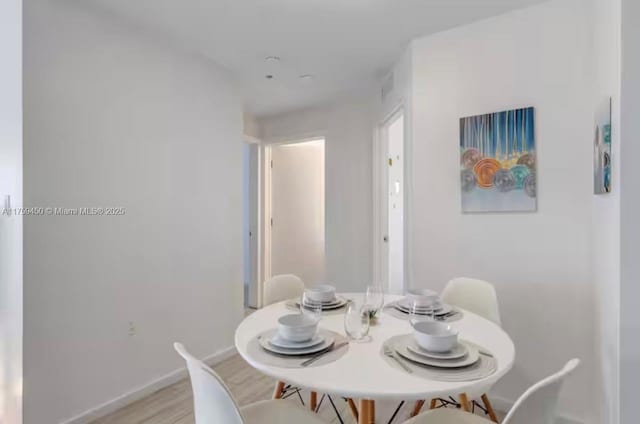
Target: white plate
(278,341)
(456,353)
(324,302)
(442,310)
(402,349)
(265,338)
(407,303)
(339,303)
(404,303)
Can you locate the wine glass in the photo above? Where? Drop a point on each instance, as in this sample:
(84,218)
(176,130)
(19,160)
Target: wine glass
(420,312)
(356,320)
(374,299)
(310,308)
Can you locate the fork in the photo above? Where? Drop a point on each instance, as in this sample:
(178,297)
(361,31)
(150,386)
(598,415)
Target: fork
(388,351)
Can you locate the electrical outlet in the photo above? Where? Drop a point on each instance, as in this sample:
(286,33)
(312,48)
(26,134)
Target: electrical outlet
(132,329)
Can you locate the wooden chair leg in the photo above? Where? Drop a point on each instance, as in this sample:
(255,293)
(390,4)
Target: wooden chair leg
(313,401)
(367,408)
(490,411)
(417,407)
(277,392)
(372,411)
(353,408)
(433,403)
(464,402)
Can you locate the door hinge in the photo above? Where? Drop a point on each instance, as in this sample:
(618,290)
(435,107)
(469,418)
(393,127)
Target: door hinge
(271,163)
(272,222)
(390,162)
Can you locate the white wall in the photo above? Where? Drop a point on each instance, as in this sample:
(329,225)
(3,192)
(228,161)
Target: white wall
(630,210)
(114,118)
(606,215)
(539,262)
(297,210)
(347,126)
(10,225)
(250,124)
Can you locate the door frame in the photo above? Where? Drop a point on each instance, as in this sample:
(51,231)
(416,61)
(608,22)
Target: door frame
(257,238)
(380,197)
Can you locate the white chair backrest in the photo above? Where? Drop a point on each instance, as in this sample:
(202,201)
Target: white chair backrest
(477,296)
(281,287)
(538,404)
(212,400)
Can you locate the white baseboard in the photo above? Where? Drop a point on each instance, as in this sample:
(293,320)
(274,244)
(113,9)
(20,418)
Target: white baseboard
(503,404)
(142,391)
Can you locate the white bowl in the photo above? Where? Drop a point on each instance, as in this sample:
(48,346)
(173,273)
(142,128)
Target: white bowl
(423,297)
(435,336)
(321,293)
(297,327)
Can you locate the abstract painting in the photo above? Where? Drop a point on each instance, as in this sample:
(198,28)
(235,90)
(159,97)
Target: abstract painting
(498,162)
(602,150)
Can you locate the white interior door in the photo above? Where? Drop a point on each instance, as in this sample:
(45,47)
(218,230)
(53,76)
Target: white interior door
(393,140)
(297,210)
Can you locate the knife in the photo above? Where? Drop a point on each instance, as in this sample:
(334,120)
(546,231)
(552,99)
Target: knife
(322,353)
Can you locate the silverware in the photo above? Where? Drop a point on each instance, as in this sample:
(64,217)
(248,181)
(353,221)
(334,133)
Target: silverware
(482,352)
(388,351)
(322,353)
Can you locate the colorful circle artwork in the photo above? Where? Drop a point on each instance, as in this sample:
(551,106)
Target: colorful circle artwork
(470,157)
(528,160)
(468,180)
(520,172)
(503,180)
(530,185)
(485,169)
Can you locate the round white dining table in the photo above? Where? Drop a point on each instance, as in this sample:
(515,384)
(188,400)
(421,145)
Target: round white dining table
(363,373)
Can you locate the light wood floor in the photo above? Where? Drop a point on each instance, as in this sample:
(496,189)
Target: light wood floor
(173,404)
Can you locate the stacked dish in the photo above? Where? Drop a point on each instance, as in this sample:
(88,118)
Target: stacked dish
(296,335)
(436,344)
(324,296)
(423,302)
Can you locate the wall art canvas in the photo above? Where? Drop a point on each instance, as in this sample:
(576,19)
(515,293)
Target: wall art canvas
(498,162)
(602,150)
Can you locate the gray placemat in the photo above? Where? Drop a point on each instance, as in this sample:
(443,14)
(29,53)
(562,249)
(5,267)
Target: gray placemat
(390,309)
(259,354)
(485,366)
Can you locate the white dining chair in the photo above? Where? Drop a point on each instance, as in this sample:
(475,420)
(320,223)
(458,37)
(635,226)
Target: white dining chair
(281,287)
(474,295)
(479,297)
(214,404)
(536,406)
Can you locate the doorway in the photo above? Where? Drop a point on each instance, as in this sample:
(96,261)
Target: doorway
(392,202)
(295,201)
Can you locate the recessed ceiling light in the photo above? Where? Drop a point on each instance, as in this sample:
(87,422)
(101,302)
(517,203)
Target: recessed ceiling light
(272,59)
(306,77)
(268,76)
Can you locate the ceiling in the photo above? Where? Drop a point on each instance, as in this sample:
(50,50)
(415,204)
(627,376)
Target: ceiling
(344,44)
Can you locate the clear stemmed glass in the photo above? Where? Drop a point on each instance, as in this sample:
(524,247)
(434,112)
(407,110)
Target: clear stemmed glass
(356,320)
(310,308)
(420,312)
(374,299)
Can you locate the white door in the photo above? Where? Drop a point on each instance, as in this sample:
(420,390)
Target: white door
(297,210)
(393,139)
